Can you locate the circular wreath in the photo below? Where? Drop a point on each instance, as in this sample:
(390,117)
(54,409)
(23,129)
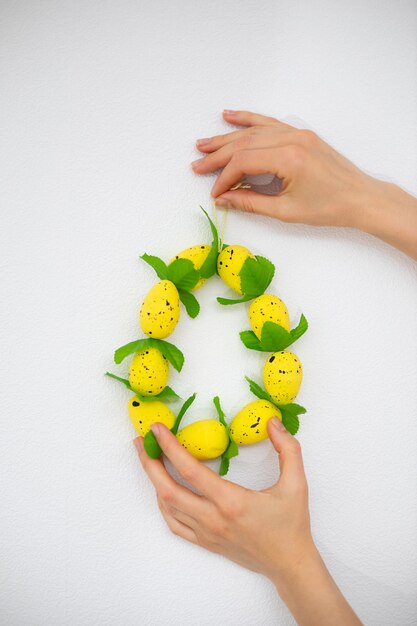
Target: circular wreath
(249,276)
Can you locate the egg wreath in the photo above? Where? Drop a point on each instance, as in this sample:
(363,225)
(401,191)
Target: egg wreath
(249,276)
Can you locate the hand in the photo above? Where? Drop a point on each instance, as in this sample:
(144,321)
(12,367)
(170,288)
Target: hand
(265,531)
(320,186)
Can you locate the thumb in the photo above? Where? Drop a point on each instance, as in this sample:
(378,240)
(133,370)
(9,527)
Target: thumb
(254,202)
(289,453)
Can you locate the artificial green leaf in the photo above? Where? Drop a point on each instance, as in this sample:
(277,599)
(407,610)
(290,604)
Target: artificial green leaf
(190,302)
(166,394)
(222,417)
(157,264)
(151,445)
(232,449)
(255,275)
(183,274)
(290,413)
(300,329)
(258,391)
(170,352)
(209,267)
(227,301)
(274,337)
(182,412)
(250,340)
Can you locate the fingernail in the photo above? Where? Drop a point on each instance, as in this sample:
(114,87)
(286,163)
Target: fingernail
(155,429)
(229,111)
(204,141)
(223,202)
(195,164)
(138,443)
(277,424)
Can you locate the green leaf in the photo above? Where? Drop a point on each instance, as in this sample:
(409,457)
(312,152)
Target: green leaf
(232,449)
(227,301)
(209,267)
(290,413)
(182,412)
(300,329)
(170,352)
(190,302)
(250,340)
(183,274)
(258,391)
(157,264)
(274,337)
(151,445)
(166,394)
(255,275)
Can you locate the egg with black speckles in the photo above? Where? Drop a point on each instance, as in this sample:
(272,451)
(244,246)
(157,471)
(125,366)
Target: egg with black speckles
(160,310)
(229,264)
(268,308)
(148,372)
(205,439)
(143,414)
(249,425)
(197,255)
(283,374)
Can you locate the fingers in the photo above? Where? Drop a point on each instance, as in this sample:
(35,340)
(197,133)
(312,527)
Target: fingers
(167,488)
(289,451)
(195,473)
(253,161)
(220,157)
(211,144)
(247,118)
(254,202)
(178,527)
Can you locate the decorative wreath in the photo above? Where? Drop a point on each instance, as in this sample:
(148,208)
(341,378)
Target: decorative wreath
(249,276)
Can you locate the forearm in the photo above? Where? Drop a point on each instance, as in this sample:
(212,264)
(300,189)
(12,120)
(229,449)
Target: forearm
(390,213)
(311,594)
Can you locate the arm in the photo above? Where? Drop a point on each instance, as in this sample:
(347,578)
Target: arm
(320,186)
(266,531)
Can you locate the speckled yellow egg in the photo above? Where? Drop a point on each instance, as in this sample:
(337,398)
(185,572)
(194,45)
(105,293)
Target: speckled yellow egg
(143,414)
(197,255)
(283,374)
(249,425)
(205,439)
(148,373)
(160,311)
(229,264)
(268,308)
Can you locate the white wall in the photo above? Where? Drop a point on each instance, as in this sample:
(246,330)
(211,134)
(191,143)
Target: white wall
(101,105)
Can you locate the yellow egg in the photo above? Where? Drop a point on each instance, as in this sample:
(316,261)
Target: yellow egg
(268,308)
(283,374)
(143,414)
(205,439)
(160,311)
(229,264)
(249,425)
(197,255)
(148,373)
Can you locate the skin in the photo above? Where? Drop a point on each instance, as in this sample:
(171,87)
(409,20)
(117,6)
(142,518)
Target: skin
(320,186)
(269,531)
(265,531)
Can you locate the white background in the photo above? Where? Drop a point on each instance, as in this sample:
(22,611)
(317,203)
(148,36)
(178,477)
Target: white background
(101,104)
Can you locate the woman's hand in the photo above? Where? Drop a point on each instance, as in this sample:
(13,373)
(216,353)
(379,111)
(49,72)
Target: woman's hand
(319,186)
(266,531)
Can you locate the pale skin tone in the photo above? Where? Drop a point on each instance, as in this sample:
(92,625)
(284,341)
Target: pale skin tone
(268,531)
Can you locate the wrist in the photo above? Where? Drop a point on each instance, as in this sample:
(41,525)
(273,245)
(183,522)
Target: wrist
(292,573)
(389,213)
